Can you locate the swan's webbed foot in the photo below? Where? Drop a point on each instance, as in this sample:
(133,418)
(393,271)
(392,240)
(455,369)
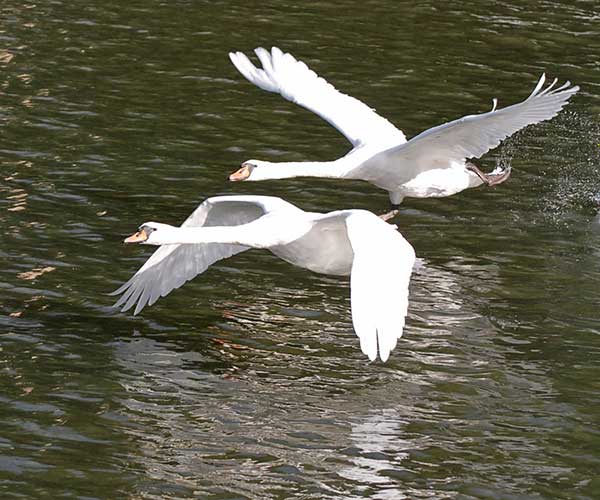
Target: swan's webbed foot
(498,176)
(391,214)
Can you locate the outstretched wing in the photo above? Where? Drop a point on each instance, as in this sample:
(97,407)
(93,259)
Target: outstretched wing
(295,81)
(173,265)
(383,263)
(470,136)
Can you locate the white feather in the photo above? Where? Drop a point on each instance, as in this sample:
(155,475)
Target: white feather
(468,137)
(383,263)
(381,154)
(293,80)
(171,266)
(344,242)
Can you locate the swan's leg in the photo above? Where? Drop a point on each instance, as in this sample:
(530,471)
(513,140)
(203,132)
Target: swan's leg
(490,179)
(396,198)
(391,214)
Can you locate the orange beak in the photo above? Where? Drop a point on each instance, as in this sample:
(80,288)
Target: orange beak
(138,237)
(240,174)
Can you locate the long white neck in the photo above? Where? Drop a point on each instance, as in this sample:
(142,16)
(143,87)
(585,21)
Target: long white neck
(265,232)
(284,170)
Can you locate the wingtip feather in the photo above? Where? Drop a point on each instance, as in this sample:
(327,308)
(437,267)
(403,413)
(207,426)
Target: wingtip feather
(368,347)
(538,86)
(384,355)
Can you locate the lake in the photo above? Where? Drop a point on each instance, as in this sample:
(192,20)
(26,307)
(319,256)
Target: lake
(248,382)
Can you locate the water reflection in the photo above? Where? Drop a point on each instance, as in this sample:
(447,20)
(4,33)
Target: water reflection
(181,409)
(377,447)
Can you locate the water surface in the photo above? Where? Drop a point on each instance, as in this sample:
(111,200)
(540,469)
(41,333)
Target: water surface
(248,382)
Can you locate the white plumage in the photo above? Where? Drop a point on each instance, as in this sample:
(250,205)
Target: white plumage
(296,82)
(432,164)
(345,242)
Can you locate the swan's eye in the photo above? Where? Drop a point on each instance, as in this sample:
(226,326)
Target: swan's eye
(147,229)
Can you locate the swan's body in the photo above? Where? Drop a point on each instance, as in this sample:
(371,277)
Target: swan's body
(345,242)
(432,164)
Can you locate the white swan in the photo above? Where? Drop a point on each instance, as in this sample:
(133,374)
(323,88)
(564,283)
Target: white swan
(345,242)
(432,164)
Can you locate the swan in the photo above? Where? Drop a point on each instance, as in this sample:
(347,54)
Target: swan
(345,242)
(431,164)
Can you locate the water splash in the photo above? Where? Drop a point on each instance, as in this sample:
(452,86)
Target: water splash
(573,175)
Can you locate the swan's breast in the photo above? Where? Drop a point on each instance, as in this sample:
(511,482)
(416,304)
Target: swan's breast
(438,182)
(324,249)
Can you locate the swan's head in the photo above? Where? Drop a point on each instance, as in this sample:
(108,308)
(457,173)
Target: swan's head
(246,172)
(149,233)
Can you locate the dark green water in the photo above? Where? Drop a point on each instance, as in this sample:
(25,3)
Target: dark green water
(114,113)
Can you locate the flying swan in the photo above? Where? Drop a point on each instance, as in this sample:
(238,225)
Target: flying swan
(345,242)
(431,164)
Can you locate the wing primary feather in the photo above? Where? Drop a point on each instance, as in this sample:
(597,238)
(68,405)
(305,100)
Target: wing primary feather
(467,137)
(136,292)
(282,73)
(381,270)
(548,88)
(170,266)
(539,85)
(121,289)
(564,86)
(265,59)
